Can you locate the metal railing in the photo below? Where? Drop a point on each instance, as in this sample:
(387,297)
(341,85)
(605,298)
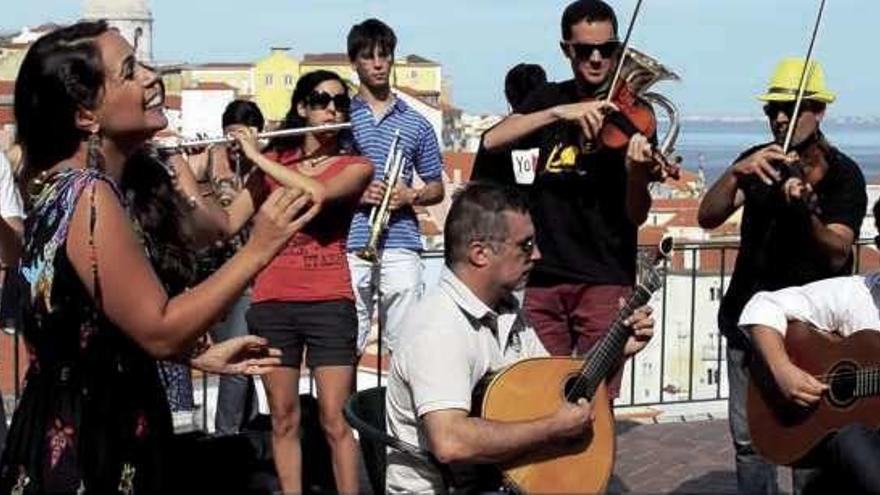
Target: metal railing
(685,361)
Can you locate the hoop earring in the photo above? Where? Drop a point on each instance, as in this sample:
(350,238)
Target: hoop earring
(94,157)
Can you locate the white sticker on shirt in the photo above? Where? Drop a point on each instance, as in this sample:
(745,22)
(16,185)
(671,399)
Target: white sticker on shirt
(525,162)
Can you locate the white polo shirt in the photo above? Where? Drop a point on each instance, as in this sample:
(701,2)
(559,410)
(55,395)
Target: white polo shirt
(445,348)
(842,304)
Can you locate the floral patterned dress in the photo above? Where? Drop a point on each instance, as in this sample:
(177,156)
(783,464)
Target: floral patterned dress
(93,417)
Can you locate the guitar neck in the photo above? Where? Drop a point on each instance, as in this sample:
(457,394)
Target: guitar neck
(604,358)
(867,382)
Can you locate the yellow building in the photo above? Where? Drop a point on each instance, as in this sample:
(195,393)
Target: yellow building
(335,62)
(418,73)
(11,56)
(274,79)
(412,71)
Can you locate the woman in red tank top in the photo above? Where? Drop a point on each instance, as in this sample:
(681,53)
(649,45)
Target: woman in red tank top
(302,301)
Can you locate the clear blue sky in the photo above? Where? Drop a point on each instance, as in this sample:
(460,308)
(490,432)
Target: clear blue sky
(723,49)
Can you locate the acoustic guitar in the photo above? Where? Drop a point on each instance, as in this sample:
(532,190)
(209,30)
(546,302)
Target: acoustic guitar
(537,387)
(786,433)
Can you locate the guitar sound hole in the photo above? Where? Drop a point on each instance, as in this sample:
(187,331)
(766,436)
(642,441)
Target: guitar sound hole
(842,384)
(569,389)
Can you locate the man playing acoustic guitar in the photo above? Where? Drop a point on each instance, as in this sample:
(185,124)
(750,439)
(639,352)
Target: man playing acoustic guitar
(843,305)
(470,325)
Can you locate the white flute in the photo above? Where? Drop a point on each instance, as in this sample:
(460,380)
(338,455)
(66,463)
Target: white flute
(262,135)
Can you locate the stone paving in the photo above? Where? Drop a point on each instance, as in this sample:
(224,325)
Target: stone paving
(678,457)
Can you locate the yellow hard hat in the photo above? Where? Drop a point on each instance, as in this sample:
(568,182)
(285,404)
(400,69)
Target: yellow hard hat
(784,83)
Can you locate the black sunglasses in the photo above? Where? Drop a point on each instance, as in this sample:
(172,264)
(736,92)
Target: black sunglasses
(772,109)
(320,99)
(583,51)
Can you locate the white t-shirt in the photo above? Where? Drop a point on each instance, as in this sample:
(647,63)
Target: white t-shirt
(10,200)
(842,304)
(444,349)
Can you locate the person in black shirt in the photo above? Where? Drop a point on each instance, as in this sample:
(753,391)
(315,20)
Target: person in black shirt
(587,201)
(801,213)
(520,82)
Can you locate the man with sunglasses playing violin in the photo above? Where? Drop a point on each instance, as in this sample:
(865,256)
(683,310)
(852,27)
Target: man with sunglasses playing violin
(801,214)
(587,200)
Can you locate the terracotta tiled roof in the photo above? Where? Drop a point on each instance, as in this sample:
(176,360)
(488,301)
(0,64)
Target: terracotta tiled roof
(42,28)
(173,102)
(418,60)
(221,65)
(685,217)
(869,259)
(651,235)
(427,226)
(458,160)
(7,87)
(417,92)
(419,95)
(665,204)
(6,115)
(212,86)
(324,58)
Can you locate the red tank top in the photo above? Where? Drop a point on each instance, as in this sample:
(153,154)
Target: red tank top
(313,265)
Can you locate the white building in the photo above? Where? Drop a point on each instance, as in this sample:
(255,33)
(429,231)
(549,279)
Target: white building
(201,108)
(131,17)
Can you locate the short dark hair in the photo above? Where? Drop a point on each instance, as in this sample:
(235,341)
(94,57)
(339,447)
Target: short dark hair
(477,213)
(520,81)
(368,35)
(587,10)
(243,112)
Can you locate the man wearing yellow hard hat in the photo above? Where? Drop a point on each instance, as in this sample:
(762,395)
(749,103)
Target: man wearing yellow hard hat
(801,214)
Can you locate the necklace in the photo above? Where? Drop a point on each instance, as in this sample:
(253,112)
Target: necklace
(313,162)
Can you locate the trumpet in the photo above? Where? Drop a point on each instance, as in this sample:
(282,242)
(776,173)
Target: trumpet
(263,135)
(380,214)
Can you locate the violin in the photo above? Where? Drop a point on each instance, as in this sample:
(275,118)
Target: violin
(635,116)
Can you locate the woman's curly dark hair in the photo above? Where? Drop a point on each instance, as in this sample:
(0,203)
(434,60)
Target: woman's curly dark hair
(160,211)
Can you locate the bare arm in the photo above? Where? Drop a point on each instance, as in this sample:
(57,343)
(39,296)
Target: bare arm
(795,384)
(134,299)
(725,196)
(639,162)
(517,126)
(589,115)
(348,184)
(834,240)
(456,437)
(722,199)
(246,138)
(210,222)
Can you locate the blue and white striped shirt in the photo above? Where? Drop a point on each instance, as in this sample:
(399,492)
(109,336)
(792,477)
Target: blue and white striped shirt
(421,153)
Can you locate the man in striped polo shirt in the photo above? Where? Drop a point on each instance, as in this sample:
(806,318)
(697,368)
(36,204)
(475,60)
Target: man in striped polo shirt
(376,115)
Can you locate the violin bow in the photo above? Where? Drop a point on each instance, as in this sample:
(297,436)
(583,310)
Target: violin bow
(802,85)
(629,30)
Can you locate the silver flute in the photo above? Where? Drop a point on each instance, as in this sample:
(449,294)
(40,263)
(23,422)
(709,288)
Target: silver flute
(263,135)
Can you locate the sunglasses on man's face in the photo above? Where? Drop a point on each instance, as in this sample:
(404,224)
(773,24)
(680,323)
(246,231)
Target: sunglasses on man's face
(321,100)
(583,51)
(772,109)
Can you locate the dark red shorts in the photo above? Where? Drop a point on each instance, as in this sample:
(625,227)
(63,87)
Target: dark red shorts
(571,318)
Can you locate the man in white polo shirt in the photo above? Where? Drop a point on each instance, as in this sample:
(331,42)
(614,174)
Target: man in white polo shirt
(849,462)
(469,325)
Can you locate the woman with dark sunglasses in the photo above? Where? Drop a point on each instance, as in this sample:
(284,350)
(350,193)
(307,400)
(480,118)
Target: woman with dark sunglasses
(303,301)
